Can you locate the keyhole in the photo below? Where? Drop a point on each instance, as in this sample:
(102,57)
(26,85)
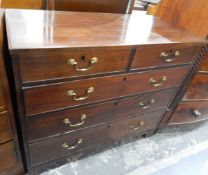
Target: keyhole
(82,59)
(109,126)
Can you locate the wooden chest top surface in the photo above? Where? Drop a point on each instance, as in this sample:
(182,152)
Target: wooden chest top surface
(81,29)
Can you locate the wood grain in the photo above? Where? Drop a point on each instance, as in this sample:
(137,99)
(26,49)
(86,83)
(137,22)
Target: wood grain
(198,89)
(91,137)
(5,131)
(150,56)
(52,124)
(107,6)
(184,113)
(204,66)
(48,98)
(8,156)
(54,65)
(22,4)
(190,15)
(63,32)
(57,30)
(2,100)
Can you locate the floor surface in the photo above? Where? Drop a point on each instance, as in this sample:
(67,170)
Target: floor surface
(169,152)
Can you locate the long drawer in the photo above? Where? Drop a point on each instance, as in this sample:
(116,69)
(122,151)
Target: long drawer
(5,131)
(164,55)
(61,95)
(70,143)
(189,112)
(70,120)
(72,63)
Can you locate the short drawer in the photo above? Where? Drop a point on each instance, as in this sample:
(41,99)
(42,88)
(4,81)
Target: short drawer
(197,89)
(68,64)
(75,93)
(189,112)
(5,132)
(71,120)
(70,143)
(164,55)
(7,156)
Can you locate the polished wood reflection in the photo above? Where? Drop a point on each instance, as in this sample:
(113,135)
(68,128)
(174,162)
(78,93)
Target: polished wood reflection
(107,6)
(54,96)
(116,40)
(51,124)
(57,30)
(187,14)
(22,4)
(190,15)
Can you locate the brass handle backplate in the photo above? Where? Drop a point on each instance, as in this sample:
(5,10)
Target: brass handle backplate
(137,126)
(169,57)
(146,105)
(73,94)
(74,64)
(160,82)
(82,118)
(70,147)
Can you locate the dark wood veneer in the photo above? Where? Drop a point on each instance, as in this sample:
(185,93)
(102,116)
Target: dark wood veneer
(150,56)
(90,151)
(42,96)
(47,98)
(198,89)
(186,113)
(91,137)
(54,65)
(8,156)
(107,6)
(5,131)
(2,101)
(52,124)
(97,30)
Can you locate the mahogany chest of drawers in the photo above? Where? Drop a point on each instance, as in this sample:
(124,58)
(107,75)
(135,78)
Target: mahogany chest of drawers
(84,80)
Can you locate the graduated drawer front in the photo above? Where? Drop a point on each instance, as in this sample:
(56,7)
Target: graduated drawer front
(189,112)
(53,148)
(197,89)
(56,65)
(164,55)
(5,133)
(7,156)
(56,96)
(72,120)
